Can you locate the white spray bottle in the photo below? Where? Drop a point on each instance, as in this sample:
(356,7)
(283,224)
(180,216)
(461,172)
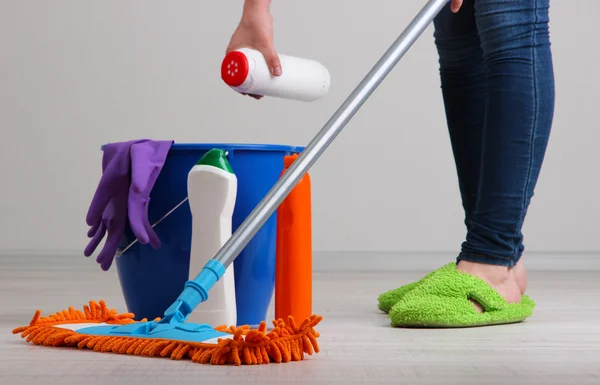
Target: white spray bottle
(212,191)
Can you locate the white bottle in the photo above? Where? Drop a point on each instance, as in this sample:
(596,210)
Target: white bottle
(212,191)
(246,71)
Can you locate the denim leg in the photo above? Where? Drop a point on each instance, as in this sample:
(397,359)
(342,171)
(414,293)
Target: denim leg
(463,85)
(519,112)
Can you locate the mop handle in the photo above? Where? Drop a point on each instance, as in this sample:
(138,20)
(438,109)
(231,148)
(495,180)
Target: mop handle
(196,291)
(286,183)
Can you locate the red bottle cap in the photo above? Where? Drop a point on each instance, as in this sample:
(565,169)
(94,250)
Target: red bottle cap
(234,68)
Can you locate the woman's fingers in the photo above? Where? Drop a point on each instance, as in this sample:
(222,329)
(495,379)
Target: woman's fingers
(257,97)
(271,57)
(455,5)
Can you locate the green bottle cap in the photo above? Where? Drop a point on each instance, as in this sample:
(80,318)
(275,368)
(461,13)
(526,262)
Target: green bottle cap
(216,158)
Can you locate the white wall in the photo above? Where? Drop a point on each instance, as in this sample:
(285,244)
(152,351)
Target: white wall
(76,74)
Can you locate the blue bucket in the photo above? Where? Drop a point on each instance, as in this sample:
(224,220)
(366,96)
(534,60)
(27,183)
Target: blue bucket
(152,279)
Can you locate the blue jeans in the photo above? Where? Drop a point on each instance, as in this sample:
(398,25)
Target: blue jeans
(497,83)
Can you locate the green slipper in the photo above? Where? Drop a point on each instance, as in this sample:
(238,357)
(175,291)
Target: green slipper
(443,301)
(389,298)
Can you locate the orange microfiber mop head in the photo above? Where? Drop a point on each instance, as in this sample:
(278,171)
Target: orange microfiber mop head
(284,343)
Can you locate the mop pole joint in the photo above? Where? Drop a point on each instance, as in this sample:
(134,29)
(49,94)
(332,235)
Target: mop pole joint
(194,293)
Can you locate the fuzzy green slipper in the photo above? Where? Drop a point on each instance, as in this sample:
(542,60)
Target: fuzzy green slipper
(443,300)
(386,300)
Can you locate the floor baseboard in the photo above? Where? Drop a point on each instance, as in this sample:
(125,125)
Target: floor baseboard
(367,261)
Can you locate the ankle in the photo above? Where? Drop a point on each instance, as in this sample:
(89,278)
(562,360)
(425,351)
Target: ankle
(494,274)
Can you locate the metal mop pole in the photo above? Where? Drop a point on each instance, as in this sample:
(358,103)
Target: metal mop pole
(267,206)
(196,291)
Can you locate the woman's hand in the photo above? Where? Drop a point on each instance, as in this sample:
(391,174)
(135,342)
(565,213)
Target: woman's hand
(255,31)
(455,5)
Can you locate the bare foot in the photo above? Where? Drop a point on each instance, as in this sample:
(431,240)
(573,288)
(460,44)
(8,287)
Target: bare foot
(500,278)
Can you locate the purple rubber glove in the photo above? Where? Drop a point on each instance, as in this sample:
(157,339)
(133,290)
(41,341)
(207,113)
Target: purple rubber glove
(112,224)
(147,160)
(115,170)
(108,211)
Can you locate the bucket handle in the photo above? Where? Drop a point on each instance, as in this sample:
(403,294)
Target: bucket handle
(120,252)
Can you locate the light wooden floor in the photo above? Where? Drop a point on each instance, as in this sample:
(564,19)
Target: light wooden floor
(560,344)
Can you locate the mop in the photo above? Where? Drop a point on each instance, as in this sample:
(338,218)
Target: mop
(105,330)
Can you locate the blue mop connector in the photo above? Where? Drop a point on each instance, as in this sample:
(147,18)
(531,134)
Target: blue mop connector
(194,293)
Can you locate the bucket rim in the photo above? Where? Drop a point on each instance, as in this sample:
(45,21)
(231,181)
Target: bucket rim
(238,146)
(230,146)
